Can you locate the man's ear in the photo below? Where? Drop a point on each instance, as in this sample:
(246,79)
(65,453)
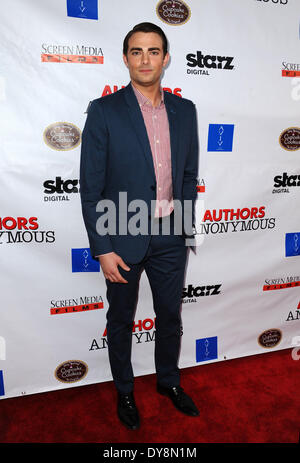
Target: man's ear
(125,60)
(166,59)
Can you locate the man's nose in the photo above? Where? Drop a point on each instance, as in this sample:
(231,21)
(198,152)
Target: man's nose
(145,58)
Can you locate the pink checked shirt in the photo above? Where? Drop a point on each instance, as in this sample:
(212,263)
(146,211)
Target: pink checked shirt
(157,126)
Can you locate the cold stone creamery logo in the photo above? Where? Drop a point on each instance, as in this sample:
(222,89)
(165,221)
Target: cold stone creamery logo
(174,12)
(270,338)
(272,284)
(22,230)
(290,139)
(71,54)
(81,304)
(62,136)
(225,220)
(71,371)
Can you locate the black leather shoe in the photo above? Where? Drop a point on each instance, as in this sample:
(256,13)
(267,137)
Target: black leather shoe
(180,399)
(127,411)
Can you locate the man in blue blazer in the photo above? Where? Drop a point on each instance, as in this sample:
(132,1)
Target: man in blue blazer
(140,151)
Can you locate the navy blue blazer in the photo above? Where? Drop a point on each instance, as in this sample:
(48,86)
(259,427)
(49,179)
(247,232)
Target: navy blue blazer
(116,157)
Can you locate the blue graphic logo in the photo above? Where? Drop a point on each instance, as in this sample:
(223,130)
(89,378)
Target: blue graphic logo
(206,349)
(292,244)
(86,9)
(1,384)
(220,137)
(82,261)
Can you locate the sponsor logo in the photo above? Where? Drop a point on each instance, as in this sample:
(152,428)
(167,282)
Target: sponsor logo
(220,137)
(1,383)
(292,316)
(283,182)
(71,371)
(108,90)
(290,139)
(176,91)
(62,136)
(82,261)
(281,283)
(173,12)
(292,244)
(85,9)
(142,331)
(290,69)
(200,185)
(190,293)
(27,231)
(71,54)
(235,220)
(270,338)
(205,63)
(279,2)
(206,349)
(59,189)
(81,304)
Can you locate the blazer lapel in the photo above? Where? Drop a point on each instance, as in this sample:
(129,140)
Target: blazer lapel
(137,121)
(174,132)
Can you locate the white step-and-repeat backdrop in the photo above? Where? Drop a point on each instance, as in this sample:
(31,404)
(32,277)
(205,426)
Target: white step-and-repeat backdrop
(239,61)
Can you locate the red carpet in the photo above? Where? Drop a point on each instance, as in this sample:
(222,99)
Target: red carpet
(249,400)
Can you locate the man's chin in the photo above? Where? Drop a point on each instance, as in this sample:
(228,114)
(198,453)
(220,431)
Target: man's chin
(146,81)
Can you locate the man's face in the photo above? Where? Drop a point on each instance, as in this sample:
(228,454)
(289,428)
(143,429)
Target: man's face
(145,59)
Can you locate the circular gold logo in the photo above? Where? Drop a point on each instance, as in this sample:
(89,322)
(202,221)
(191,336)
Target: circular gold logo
(290,139)
(62,136)
(270,338)
(71,371)
(174,12)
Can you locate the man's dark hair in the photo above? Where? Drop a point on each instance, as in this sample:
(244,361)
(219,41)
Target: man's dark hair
(146,27)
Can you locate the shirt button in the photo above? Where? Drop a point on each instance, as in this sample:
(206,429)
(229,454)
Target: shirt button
(157,141)
(159,188)
(159,165)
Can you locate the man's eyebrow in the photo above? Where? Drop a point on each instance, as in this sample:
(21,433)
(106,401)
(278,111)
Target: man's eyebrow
(149,49)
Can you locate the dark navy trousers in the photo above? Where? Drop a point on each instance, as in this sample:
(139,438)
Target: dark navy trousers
(164,264)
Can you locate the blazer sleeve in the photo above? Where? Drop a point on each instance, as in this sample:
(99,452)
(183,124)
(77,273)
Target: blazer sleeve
(191,167)
(94,153)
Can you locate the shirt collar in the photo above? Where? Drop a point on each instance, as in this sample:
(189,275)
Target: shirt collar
(144,102)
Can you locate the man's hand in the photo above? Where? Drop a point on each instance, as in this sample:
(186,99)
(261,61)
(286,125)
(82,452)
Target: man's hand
(109,263)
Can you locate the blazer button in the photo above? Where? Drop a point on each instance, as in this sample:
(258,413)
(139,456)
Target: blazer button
(152,187)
